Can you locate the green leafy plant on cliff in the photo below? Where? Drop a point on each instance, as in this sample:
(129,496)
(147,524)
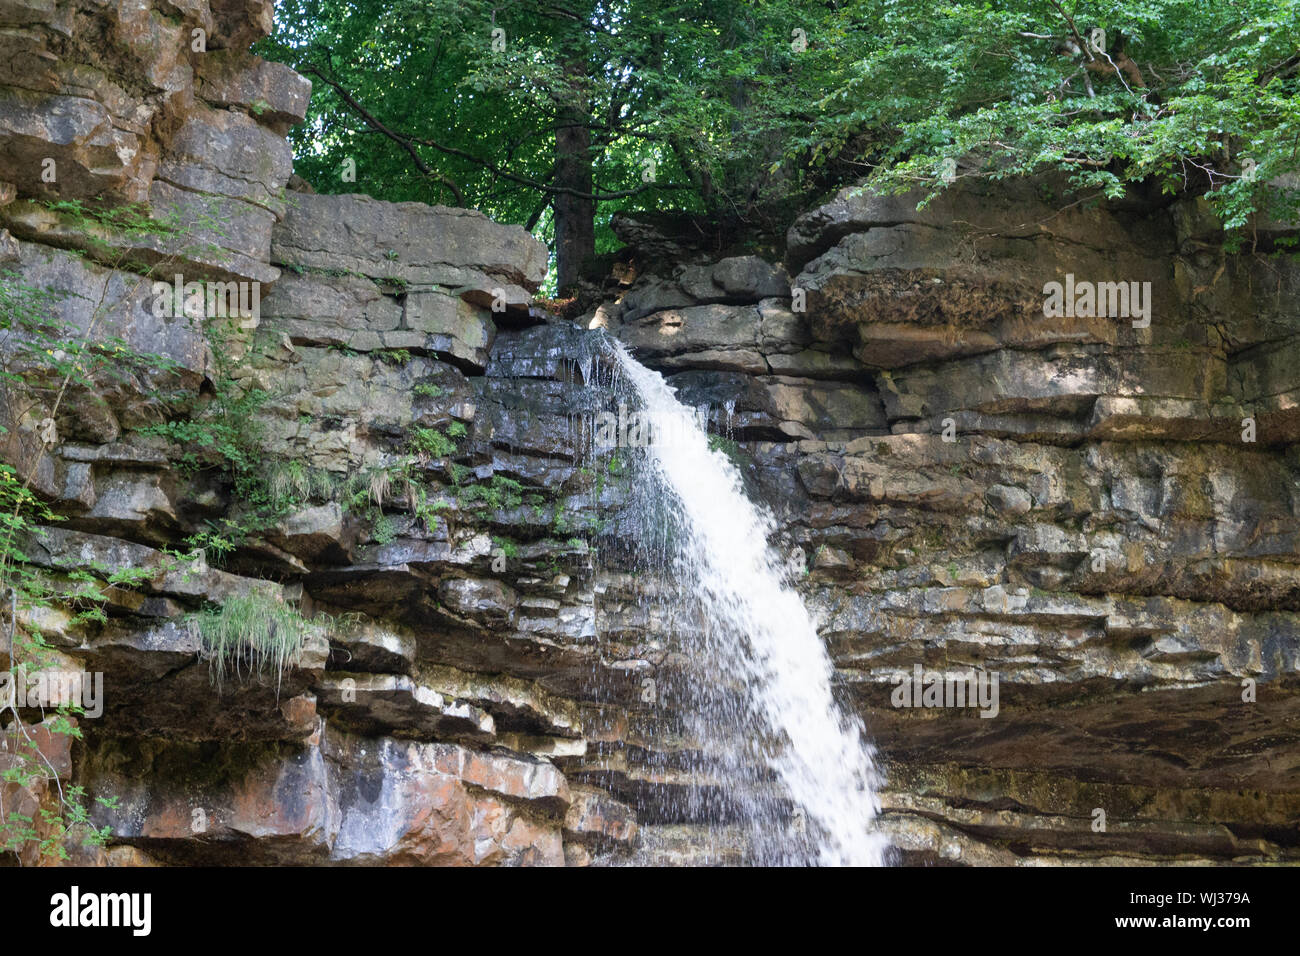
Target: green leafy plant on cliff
(118,233)
(295,482)
(382,529)
(509,549)
(49,357)
(42,361)
(225,436)
(427,510)
(497,493)
(366,492)
(124,220)
(432,443)
(40,814)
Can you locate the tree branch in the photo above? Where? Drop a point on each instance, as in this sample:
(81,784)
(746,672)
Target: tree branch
(535,184)
(409,143)
(397,138)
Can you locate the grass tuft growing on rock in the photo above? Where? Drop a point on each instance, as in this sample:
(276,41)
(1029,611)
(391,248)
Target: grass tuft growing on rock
(293,481)
(250,635)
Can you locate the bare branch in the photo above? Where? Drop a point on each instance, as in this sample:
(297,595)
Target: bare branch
(409,143)
(397,138)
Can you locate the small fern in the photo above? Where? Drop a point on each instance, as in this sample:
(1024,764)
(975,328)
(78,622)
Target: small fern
(431,443)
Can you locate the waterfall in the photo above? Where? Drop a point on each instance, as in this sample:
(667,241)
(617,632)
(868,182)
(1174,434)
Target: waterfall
(764,680)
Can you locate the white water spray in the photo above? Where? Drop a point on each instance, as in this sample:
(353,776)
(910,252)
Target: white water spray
(761,635)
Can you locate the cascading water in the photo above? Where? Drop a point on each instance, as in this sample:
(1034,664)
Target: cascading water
(794,770)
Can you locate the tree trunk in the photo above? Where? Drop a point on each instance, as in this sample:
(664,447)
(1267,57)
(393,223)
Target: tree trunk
(575,218)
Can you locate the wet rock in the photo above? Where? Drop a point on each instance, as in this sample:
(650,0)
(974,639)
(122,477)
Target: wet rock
(485,600)
(390,703)
(595,817)
(551,351)
(266,806)
(361,646)
(516,705)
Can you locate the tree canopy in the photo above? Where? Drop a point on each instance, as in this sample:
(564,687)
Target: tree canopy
(551,113)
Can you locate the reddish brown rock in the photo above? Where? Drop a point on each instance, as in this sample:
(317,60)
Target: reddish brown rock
(594,816)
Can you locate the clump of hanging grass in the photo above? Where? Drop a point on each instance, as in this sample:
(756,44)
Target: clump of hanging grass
(294,481)
(250,636)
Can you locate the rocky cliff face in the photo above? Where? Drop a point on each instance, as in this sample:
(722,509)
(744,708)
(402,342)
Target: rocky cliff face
(1098,509)
(961,483)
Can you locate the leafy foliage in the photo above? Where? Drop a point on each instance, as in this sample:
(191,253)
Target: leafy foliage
(745,110)
(499,492)
(45,357)
(1196,98)
(433,443)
